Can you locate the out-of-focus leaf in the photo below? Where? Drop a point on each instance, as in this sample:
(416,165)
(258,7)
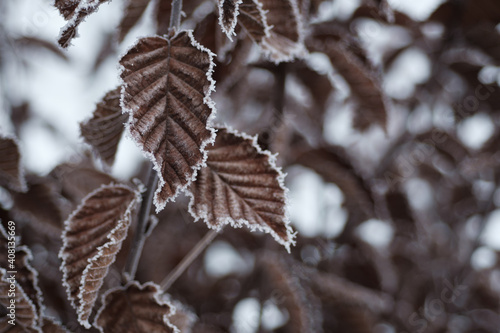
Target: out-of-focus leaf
(104,130)
(286,35)
(241,185)
(78,180)
(279,279)
(75,12)
(162,12)
(253,19)
(332,164)
(92,237)
(167,87)
(132,14)
(228,16)
(38,43)
(11,173)
(135,308)
(25,315)
(348,60)
(25,275)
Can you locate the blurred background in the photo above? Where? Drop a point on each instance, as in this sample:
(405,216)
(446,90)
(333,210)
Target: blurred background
(398,208)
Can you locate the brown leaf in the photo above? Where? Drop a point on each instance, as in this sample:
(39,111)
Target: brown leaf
(163,9)
(42,206)
(104,130)
(135,308)
(253,19)
(78,180)
(25,317)
(93,236)
(241,185)
(167,87)
(75,12)
(228,16)
(286,36)
(281,280)
(11,174)
(52,326)
(349,61)
(26,276)
(133,13)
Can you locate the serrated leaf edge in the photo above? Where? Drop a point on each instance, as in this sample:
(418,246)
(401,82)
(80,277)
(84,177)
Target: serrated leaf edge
(112,241)
(229,33)
(29,257)
(34,325)
(207,100)
(156,296)
(242,222)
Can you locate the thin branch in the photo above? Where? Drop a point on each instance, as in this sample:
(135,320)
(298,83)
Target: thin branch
(140,232)
(175,14)
(188,260)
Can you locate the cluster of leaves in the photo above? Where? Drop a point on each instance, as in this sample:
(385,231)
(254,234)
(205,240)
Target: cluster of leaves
(78,219)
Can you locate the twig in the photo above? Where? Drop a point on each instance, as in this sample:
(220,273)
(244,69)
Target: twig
(140,232)
(188,260)
(175,14)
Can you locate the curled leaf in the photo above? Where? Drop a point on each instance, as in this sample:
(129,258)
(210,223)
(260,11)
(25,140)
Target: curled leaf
(135,309)
(228,16)
(25,317)
(75,11)
(92,237)
(253,19)
(167,87)
(11,174)
(241,185)
(104,130)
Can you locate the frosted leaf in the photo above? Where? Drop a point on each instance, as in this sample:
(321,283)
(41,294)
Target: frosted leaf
(135,309)
(75,12)
(228,16)
(104,130)
(26,275)
(11,174)
(93,235)
(286,37)
(167,87)
(26,318)
(241,185)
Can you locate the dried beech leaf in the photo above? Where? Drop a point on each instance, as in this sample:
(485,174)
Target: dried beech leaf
(279,278)
(253,19)
(26,318)
(132,14)
(286,36)
(78,180)
(241,185)
(92,237)
(104,130)
(167,87)
(11,174)
(26,275)
(42,205)
(228,16)
(163,9)
(135,309)
(75,13)
(349,61)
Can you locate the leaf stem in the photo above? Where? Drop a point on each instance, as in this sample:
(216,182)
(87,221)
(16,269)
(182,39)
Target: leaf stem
(188,260)
(141,232)
(175,14)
